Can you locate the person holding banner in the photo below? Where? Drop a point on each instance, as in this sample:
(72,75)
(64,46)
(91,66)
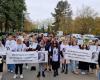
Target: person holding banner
(33,44)
(93,47)
(98,66)
(33,47)
(65,62)
(74,64)
(1,66)
(48,48)
(26,42)
(55,56)
(84,66)
(10,46)
(19,67)
(41,47)
(1,59)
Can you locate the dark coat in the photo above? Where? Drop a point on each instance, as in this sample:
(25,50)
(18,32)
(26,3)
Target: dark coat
(56,65)
(39,48)
(1,65)
(26,43)
(99,59)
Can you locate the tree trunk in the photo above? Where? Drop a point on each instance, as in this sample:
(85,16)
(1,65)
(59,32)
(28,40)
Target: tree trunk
(1,28)
(6,25)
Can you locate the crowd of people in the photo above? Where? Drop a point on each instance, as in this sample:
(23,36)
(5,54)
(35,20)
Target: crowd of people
(56,46)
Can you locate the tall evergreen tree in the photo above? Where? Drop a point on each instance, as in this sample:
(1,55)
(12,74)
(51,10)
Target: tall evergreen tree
(11,14)
(62,16)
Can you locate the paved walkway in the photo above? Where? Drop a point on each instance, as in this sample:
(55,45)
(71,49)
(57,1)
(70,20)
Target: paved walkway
(31,75)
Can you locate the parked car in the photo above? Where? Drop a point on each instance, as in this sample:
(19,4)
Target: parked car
(90,37)
(78,36)
(98,37)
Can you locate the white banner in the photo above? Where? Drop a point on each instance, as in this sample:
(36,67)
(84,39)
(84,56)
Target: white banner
(27,57)
(3,53)
(82,55)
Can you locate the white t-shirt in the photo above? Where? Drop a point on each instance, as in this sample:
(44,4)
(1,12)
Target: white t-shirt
(42,49)
(93,47)
(21,47)
(64,47)
(55,54)
(75,47)
(98,48)
(33,45)
(11,45)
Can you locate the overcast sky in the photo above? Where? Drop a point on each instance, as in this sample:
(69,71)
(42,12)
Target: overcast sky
(41,9)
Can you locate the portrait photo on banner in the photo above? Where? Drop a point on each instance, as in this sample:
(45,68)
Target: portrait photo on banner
(41,56)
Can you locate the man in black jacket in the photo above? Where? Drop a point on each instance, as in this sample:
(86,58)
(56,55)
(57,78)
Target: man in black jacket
(1,67)
(98,67)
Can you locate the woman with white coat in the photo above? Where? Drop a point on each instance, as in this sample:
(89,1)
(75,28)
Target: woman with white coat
(10,46)
(20,47)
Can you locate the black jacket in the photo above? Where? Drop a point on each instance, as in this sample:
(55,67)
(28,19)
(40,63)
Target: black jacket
(99,59)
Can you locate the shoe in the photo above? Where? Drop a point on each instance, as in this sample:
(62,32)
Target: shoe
(83,73)
(74,72)
(8,70)
(43,75)
(15,76)
(27,67)
(11,71)
(21,76)
(38,75)
(66,72)
(62,71)
(54,74)
(57,73)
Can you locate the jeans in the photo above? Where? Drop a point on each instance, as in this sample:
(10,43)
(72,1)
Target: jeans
(11,67)
(99,75)
(74,65)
